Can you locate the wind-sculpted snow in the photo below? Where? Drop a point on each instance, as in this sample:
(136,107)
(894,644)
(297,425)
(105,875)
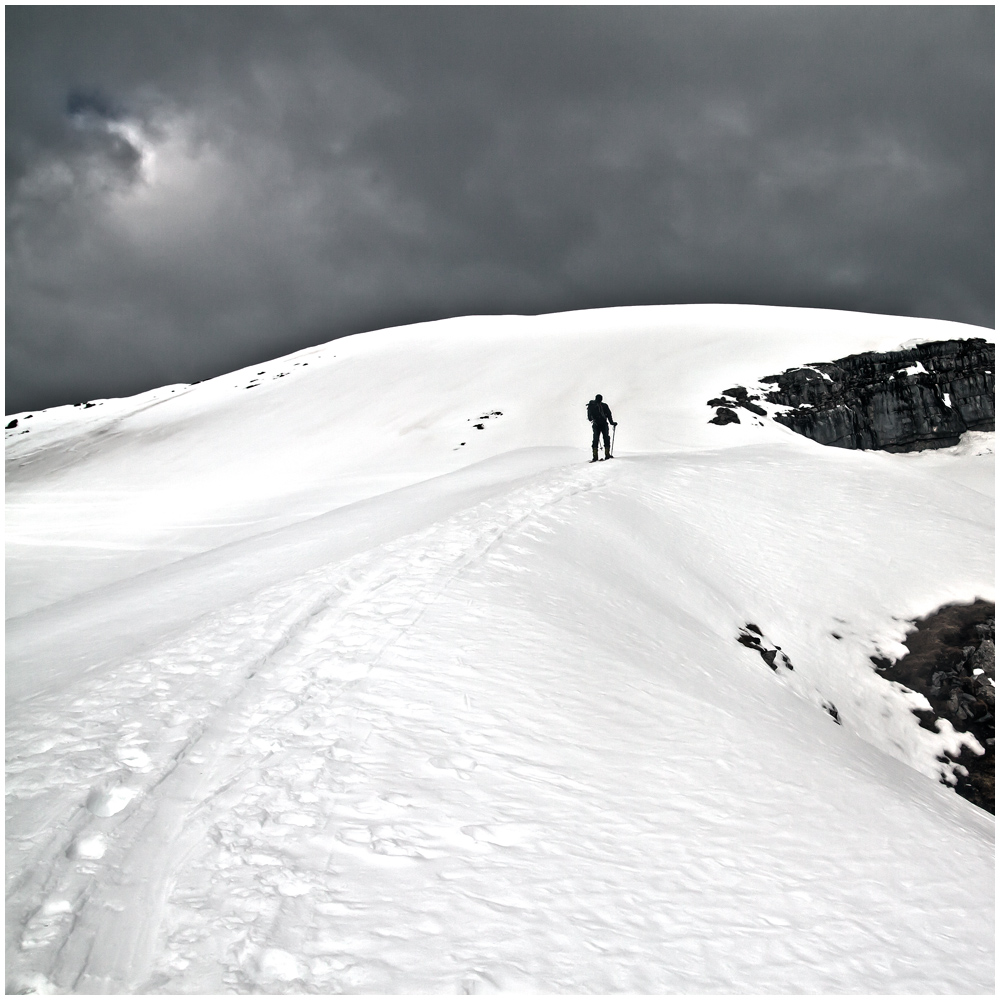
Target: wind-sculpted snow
(495,731)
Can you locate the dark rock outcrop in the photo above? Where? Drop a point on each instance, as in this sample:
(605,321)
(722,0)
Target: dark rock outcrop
(753,638)
(725,415)
(951,661)
(731,398)
(925,397)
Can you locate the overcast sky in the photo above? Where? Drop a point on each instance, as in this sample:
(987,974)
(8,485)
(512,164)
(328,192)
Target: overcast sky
(190,190)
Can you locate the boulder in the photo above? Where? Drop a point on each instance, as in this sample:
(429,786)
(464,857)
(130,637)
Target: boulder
(724,415)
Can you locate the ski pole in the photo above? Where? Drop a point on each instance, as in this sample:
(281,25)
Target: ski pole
(614,427)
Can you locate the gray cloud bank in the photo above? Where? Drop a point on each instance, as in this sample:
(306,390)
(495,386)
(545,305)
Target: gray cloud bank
(194,189)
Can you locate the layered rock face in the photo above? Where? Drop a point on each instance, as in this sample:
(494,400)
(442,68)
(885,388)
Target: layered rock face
(925,397)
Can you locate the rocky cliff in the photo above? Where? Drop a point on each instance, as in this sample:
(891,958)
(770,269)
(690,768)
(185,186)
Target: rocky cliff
(907,400)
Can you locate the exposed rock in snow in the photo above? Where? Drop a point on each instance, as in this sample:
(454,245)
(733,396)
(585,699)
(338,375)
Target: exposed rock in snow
(907,400)
(725,415)
(306,696)
(951,661)
(737,396)
(752,637)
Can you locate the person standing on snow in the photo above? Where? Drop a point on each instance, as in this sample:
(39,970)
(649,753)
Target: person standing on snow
(599,415)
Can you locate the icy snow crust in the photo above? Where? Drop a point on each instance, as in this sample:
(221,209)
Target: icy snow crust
(304,695)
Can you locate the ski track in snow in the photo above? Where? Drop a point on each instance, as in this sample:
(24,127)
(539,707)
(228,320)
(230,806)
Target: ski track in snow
(372,778)
(322,691)
(208,740)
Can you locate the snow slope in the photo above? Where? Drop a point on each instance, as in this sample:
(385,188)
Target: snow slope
(306,695)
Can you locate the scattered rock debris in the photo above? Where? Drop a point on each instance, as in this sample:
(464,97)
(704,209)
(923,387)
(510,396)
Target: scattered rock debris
(480,423)
(752,637)
(952,662)
(11,425)
(486,416)
(735,397)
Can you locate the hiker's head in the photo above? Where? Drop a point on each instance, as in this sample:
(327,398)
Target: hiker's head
(598,397)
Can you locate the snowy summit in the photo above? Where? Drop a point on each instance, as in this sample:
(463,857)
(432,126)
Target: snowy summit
(349,672)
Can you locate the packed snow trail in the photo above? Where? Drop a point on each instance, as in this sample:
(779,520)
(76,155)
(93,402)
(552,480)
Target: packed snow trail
(56,642)
(519,748)
(194,696)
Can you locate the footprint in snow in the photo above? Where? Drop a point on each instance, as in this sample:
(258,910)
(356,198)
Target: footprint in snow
(88,847)
(391,848)
(33,983)
(478,982)
(134,758)
(501,835)
(293,887)
(276,964)
(460,763)
(355,835)
(106,802)
(500,979)
(46,923)
(298,819)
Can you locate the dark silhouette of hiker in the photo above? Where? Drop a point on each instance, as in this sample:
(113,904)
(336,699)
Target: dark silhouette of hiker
(599,415)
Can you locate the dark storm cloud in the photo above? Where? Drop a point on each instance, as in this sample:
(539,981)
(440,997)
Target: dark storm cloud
(192,189)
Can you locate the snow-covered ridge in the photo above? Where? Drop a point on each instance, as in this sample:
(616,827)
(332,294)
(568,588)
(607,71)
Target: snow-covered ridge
(183,469)
(305,694)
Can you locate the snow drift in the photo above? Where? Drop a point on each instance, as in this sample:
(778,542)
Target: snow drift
(347,673)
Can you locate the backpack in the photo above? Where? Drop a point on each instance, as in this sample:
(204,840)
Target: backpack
(593,410)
